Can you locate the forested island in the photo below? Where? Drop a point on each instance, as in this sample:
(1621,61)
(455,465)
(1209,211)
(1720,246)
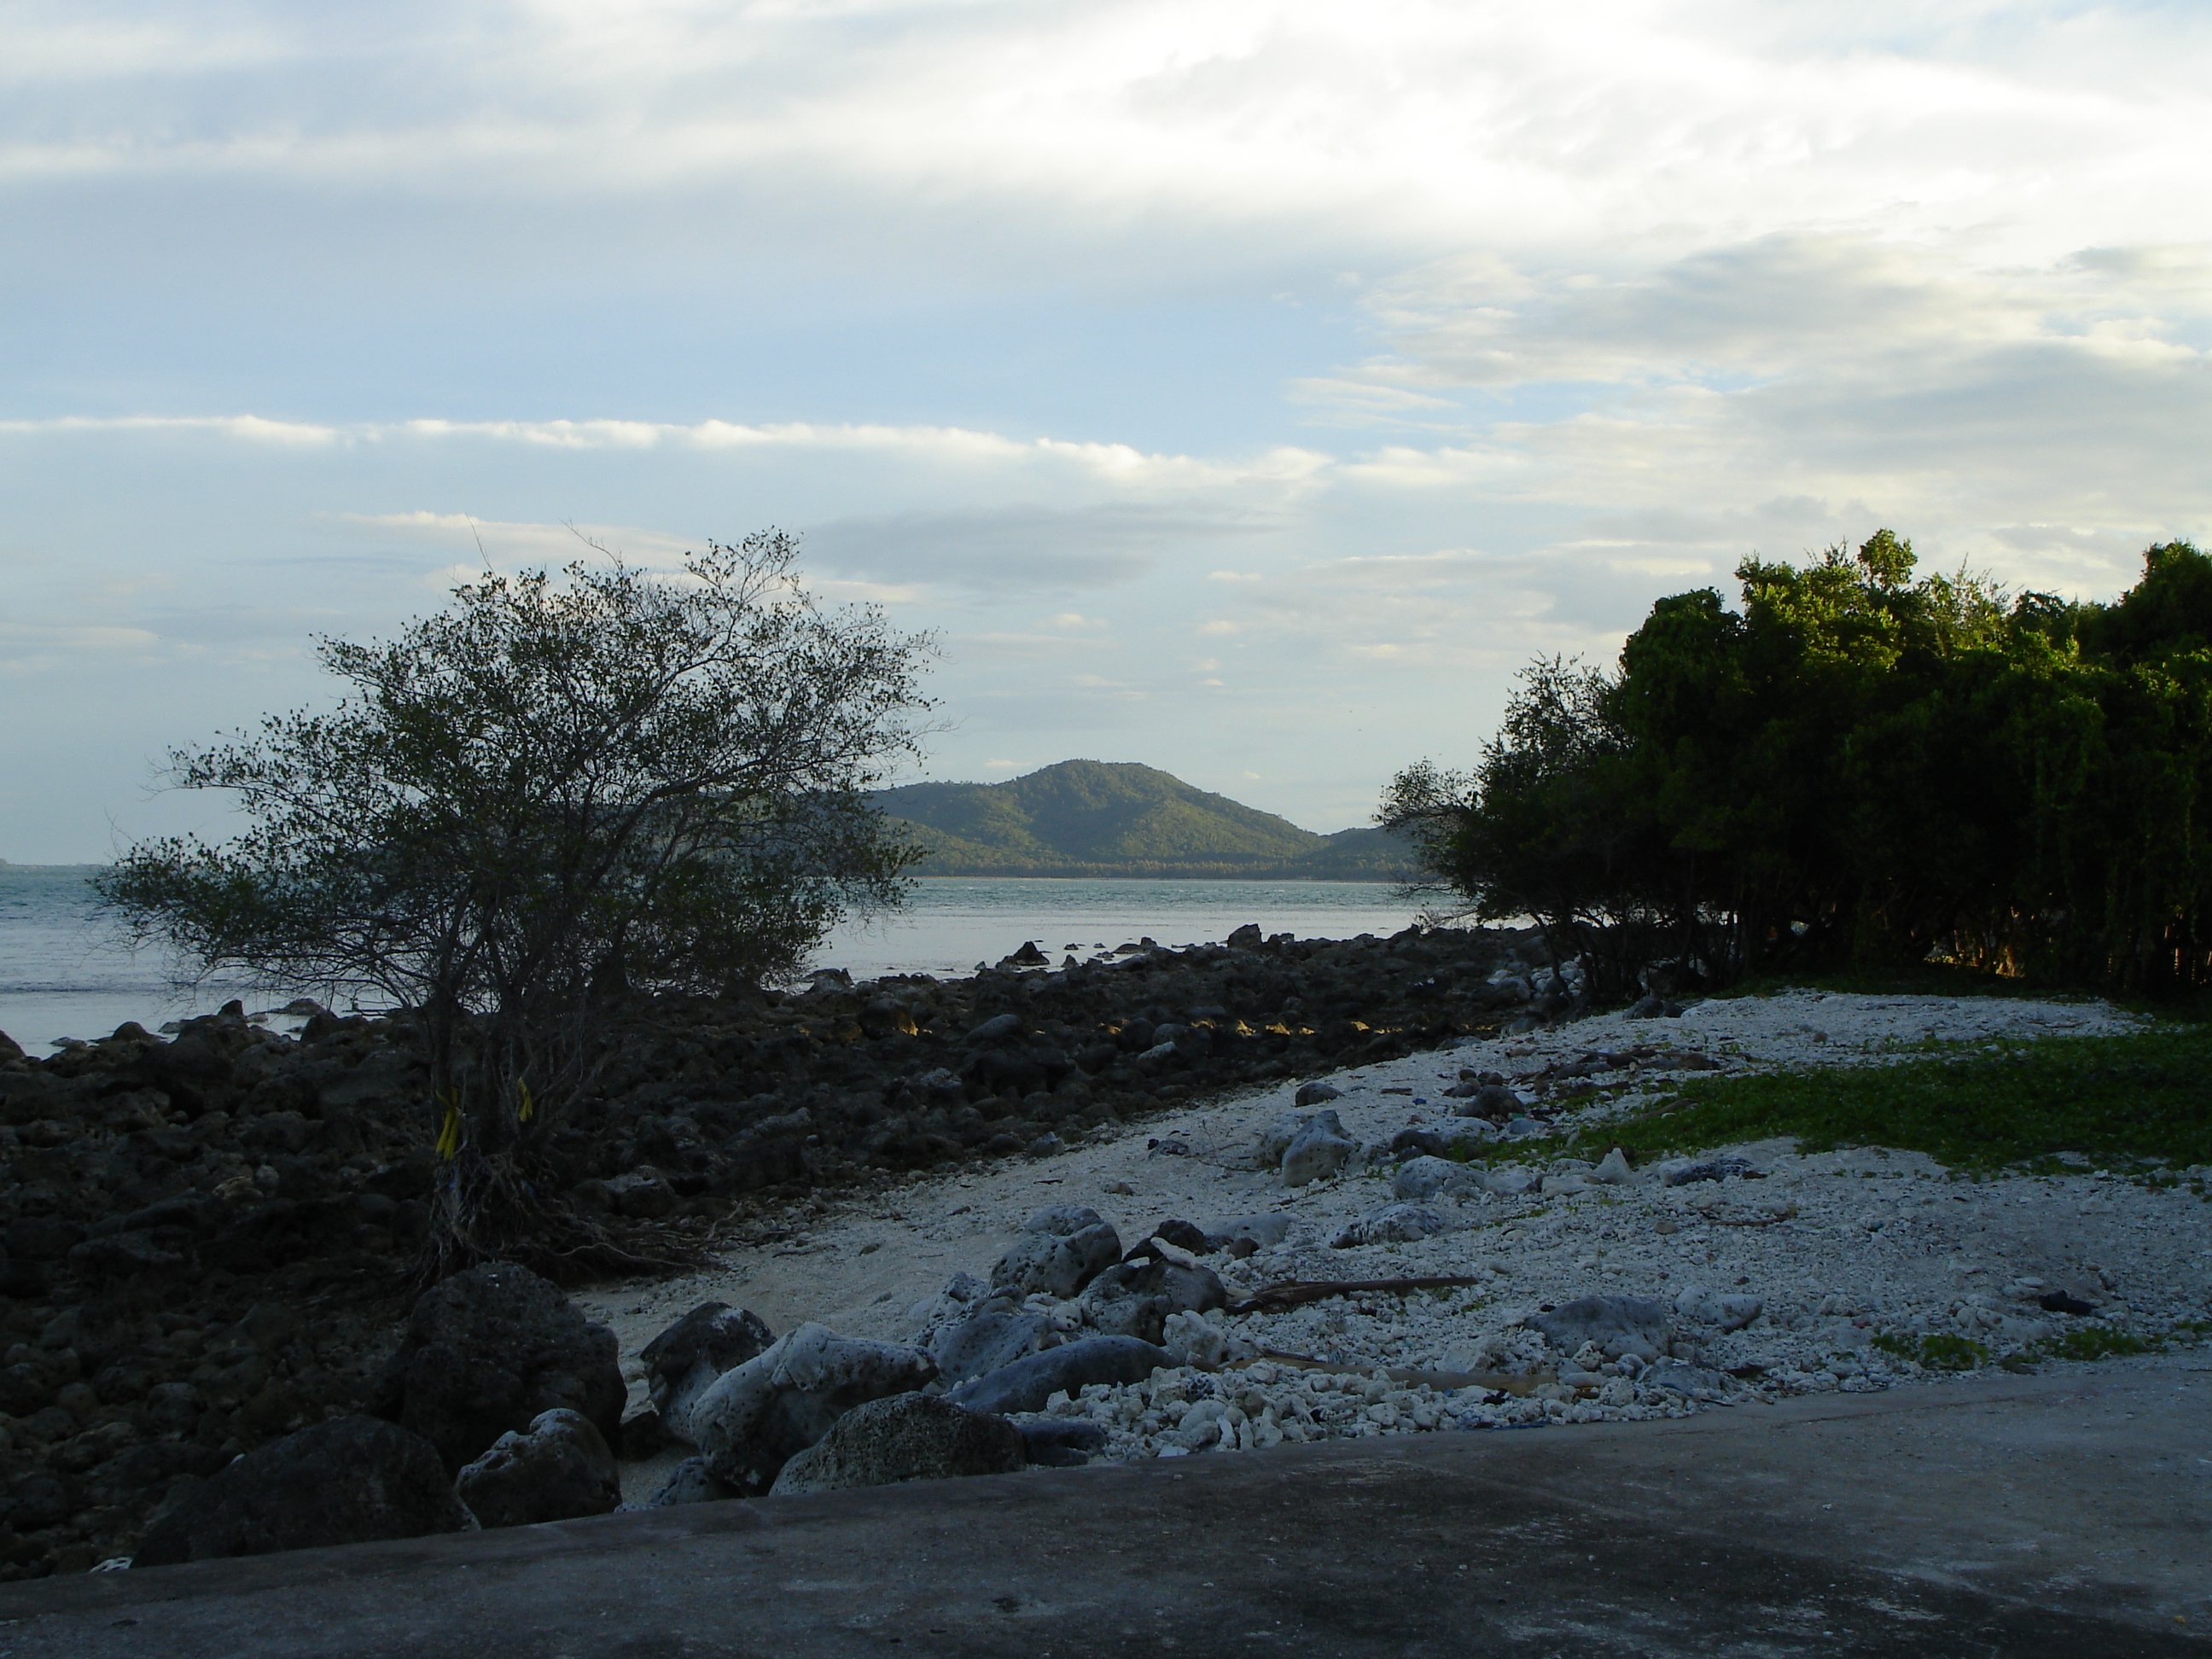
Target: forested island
(1084,817)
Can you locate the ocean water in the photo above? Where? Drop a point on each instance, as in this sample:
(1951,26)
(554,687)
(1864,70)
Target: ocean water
(65,971)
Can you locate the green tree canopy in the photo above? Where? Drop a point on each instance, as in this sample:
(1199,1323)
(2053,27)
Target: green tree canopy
(1858,764)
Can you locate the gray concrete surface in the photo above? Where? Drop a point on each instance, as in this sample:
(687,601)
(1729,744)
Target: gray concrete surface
(2071,1514)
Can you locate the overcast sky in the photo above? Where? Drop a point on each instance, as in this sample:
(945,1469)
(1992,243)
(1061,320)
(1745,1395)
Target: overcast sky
(1246,389)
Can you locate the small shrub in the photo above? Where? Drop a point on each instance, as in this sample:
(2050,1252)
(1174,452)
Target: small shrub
(2088,1342)
(1938,1352)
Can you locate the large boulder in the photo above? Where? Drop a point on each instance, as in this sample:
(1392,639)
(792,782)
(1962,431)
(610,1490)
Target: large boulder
(908,1436)
(490,1349)
(1061,1443)
(1619,1325)
(683,1361)
(1060,1251)
(755,1419)
(560,1469)
(1027,1384)
(995,1333)
(348,1480)
(1135,1297)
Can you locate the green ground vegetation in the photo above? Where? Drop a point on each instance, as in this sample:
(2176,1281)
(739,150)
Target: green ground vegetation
(2138,1102)
(2137,1099)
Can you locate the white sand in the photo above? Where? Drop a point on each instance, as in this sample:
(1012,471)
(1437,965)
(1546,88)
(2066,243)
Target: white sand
(1840,1246)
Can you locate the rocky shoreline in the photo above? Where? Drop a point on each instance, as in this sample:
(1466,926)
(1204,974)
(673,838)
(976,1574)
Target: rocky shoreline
(1181,1202)
(206,1239)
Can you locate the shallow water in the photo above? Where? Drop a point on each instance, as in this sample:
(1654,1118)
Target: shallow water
(65,972)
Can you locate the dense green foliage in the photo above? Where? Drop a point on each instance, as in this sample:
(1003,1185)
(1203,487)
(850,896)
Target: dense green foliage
(1099,818)
(2117,1101)
(2109,1099)
(1858,767)
(554,795)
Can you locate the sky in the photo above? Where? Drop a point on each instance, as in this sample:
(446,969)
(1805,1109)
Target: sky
(1246,389)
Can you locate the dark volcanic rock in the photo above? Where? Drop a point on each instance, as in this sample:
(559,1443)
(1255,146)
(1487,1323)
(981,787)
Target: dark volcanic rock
(560,1469)
(488,1350)
(683,1359)
(908,1436)
(345,1481)
(774,1406)
(1135,1297)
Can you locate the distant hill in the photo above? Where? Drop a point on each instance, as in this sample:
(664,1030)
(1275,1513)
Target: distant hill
(1107,818)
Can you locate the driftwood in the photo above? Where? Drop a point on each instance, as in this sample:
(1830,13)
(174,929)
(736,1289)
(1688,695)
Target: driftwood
(1296,1293)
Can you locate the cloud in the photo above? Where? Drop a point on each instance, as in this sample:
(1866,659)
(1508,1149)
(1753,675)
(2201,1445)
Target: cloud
(1027,548)
(1123,468)
(1398,122)
(248,428)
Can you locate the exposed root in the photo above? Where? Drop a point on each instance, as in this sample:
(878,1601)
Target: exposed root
(489,1210)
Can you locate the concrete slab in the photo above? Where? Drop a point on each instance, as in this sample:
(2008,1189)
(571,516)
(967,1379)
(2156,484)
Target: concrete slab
(2067,1512)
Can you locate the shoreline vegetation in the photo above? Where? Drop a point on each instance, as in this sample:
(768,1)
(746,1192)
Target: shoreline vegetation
(1856,767)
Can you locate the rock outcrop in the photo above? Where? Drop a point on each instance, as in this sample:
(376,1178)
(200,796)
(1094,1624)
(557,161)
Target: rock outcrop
(350,1480)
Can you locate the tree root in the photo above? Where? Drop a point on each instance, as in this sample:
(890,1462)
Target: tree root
(489,1210)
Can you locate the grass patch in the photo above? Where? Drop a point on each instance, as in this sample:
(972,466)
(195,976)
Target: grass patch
(2095,1342)
(2145,1098)
(1940,1351)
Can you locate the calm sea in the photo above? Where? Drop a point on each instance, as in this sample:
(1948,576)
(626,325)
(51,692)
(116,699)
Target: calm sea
(65,972)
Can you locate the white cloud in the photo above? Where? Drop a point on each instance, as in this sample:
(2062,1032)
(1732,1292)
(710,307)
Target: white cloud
(1009,311)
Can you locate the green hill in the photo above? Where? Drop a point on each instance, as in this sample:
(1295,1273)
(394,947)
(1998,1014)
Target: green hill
(1100,818)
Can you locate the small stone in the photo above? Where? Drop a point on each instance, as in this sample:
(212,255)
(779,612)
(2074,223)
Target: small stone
(1687,1172)
(690,1482)
(1399,1223)
(1613,1170)
(1320,1149)
(1702,1305)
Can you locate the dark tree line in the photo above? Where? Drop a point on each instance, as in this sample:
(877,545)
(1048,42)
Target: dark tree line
(1857,767)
